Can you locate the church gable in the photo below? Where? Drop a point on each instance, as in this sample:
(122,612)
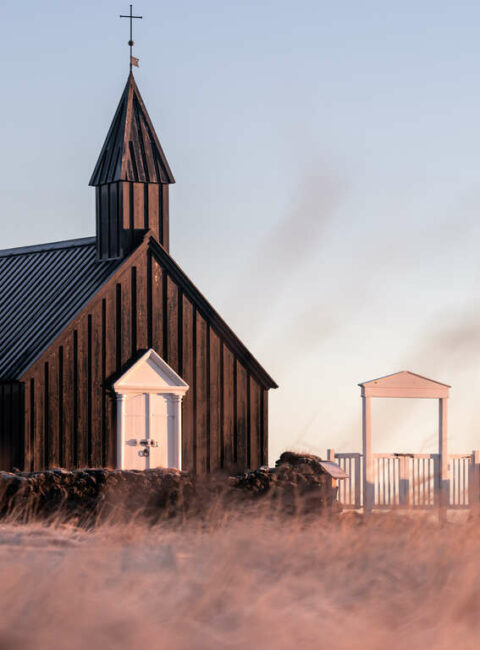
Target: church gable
(147,303)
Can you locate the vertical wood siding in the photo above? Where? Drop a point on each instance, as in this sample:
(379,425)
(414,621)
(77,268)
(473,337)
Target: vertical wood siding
(123,209)
(70,410)
(188,374)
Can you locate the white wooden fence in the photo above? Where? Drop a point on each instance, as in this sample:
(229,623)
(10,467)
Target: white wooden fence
(410,480)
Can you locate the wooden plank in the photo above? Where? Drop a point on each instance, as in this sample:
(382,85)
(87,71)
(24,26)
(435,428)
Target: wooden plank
(146,207)
(242,416)
(228,408)
(215,406)
(136,154)
(154,194)
(110,369)
(18,415)
(96,426)
(104,221)
(255,424)
(126,215)
(124,196)
(16,442)
(149,299)
(98,220)
(114,219)
(147,152)
(172,324)
(201,389)
(133,309)
(188,374)
(52,437)
(82,393)
(141,307)
(126,320)
(164,218)
(157,307)
(264,440)
(138,206)
(39,417)
(27,427)
(67,459)
(61,402)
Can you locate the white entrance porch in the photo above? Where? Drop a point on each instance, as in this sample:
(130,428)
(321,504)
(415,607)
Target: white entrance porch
(149,419)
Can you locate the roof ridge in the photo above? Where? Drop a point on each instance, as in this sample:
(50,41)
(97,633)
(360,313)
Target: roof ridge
(39,248)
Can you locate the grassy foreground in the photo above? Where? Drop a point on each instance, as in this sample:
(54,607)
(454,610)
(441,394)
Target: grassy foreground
(252,580)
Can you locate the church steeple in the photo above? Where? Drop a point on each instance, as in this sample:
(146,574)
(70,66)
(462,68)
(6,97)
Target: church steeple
(131,178)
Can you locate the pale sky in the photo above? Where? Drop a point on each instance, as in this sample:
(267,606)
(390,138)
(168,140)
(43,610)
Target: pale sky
(327,158)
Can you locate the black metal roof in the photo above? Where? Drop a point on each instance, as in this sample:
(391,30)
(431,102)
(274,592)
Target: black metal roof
(132,151)
(41,289)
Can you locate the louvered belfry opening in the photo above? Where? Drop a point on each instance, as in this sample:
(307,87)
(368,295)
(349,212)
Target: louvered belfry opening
(131,178)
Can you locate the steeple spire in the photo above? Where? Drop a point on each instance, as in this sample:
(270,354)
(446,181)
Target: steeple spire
(132,177)
(131,151)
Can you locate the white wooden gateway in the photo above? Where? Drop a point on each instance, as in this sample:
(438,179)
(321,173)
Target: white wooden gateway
(149,416)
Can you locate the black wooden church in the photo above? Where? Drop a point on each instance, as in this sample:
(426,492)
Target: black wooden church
(109,354)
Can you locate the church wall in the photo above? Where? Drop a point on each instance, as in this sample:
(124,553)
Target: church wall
(70,409)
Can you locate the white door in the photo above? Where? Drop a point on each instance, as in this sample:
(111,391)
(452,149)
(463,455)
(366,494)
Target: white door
(149,432)
(160,449)
(136,426)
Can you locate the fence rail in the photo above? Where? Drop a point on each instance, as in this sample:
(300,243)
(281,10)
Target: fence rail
(410,480)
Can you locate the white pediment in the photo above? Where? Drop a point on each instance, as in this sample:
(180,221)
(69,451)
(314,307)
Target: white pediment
(150,374)
(404,384)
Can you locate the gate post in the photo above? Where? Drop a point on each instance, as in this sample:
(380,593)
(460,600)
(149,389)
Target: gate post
(368,469)
(443,451)
(358,481)
(474,479)
(436,479)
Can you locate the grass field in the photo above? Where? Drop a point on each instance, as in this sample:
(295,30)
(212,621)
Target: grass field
(256,581)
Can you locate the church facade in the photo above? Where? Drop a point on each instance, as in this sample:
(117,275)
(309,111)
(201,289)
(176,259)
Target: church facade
(109,354)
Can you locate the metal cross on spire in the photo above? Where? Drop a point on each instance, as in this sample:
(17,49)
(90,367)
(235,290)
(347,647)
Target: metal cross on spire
(133,60)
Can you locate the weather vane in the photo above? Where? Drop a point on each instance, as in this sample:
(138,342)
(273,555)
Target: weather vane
(133,60)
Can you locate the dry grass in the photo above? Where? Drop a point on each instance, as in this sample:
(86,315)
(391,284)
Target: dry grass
(395,582)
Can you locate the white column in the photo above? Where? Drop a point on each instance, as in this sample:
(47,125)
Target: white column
(443,451)
(177,405)
(120,431)
(368,469)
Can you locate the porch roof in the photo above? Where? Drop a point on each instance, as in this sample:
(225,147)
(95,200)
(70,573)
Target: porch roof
(405,384)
